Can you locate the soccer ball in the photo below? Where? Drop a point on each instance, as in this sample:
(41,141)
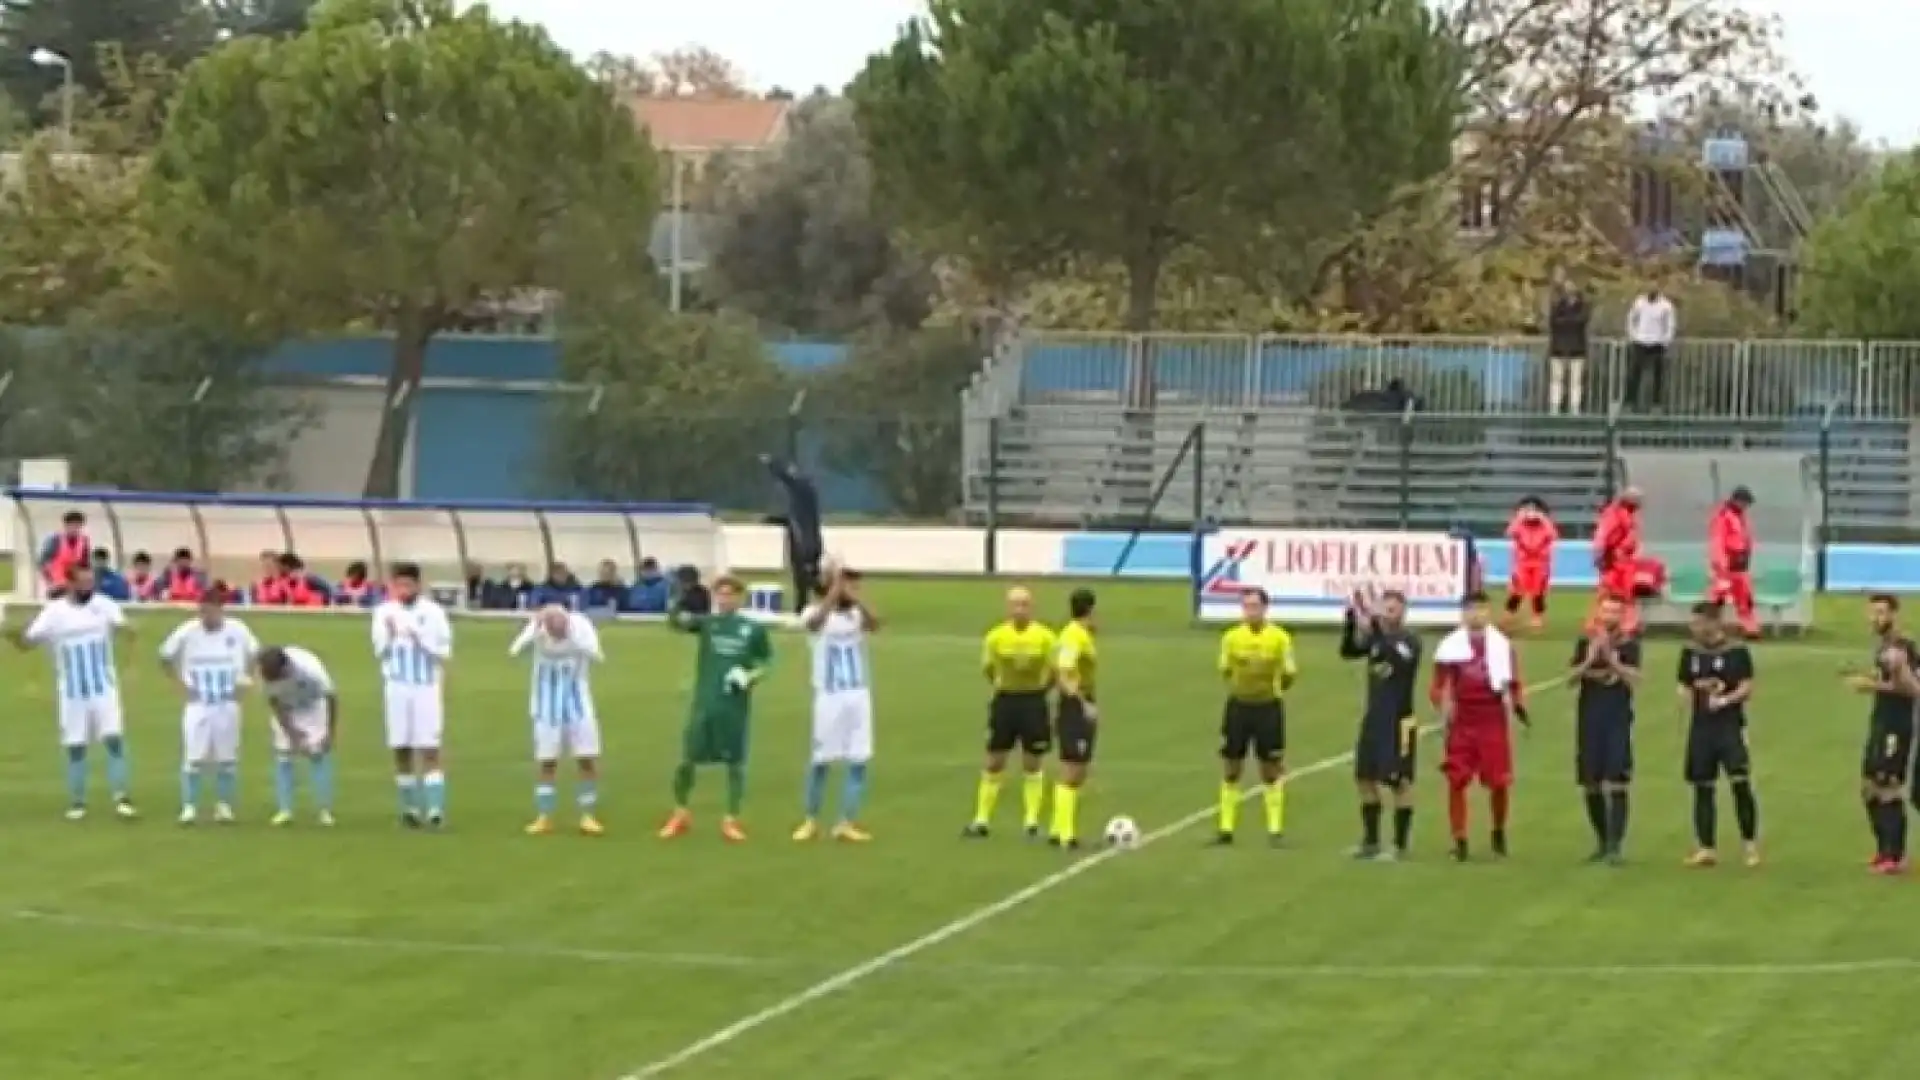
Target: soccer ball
(1122,833)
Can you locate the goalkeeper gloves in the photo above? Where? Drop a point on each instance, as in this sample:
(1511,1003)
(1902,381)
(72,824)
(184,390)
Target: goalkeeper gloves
(739,679)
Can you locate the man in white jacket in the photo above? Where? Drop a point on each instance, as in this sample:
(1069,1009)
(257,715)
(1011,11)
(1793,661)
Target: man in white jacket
(1651,325)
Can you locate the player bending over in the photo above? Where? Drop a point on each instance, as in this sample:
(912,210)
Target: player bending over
(565,646)
(1383,754)
(306,722)
(1533,534)
(1017,657)
(1077,721)
(1889,751)
(78,628)
(1257,662)
(209,657)
(1476,678)
(413,640)
(1606,667)
(839,622)
(1715,678)
(733,654)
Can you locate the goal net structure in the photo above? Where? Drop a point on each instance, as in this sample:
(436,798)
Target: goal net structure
(228,534)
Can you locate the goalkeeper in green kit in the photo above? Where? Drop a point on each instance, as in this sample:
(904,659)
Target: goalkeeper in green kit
(734,653)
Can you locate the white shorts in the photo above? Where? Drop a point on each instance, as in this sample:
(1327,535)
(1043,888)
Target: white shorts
(210,733)
(580,737)
(842,728)
(82,722)
(415,717)
(310,723)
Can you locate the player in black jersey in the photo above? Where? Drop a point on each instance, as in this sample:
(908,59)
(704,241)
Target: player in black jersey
(1383,756)
(1715,679)
(1606,666)
(1889,751)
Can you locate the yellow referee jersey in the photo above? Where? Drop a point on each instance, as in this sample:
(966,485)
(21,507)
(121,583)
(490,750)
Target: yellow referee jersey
(1018,659)
(1077,655)
(1257,664)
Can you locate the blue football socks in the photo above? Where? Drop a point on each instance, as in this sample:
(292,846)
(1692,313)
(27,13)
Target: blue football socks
(283,783)
(853,790)
(816,790)
(116,766)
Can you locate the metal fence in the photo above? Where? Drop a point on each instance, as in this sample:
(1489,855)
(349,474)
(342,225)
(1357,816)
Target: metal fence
(1708,377)
(1087,467)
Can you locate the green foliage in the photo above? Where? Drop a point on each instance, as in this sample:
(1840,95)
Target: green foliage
(145,401)
(673,408)
(174,30)
(1020,134)
(397,162)
(891,412)
(799,244)
(1862,265)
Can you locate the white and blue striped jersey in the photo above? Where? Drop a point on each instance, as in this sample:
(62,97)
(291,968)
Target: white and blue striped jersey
(840,653)
(413,642)
(211,663)
(562,693)
(80,637)
(302,687)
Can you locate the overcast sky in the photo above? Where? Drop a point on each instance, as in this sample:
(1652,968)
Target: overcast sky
(1857,54)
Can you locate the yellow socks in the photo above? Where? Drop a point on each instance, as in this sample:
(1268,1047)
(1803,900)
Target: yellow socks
(1032,796)
(1274,798)
(1229,807)
(985,798)
(1066,812)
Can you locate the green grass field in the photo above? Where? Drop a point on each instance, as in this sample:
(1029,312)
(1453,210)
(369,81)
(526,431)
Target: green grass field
(145,950)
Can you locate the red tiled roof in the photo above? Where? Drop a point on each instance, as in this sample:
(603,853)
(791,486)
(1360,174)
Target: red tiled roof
(695,123)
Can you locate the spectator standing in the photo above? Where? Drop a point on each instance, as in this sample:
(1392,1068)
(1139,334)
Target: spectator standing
(1651,326)
(608,594)
(652,592)
(1568,317)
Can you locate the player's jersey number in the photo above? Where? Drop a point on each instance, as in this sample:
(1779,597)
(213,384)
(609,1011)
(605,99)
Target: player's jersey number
(846,669)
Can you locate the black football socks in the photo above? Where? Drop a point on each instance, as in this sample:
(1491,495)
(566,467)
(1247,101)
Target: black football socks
(1706,816)
(1616,820)
(1597,817)
(1746,809)
(1370,825)
(1402,827)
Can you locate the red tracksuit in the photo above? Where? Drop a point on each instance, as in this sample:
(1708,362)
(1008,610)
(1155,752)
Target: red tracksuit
(1533,535)
(1730,556)
(1616,555)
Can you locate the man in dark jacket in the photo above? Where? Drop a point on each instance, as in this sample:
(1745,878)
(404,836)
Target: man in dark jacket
(1567,319)
(802,522)
(608,594)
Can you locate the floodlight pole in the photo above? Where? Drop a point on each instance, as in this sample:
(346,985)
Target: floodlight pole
(678,228)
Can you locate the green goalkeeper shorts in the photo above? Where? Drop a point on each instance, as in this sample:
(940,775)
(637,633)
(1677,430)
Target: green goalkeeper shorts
(716,737)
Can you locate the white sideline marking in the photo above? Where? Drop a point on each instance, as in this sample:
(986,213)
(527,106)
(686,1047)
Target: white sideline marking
(835,983)
(275,940)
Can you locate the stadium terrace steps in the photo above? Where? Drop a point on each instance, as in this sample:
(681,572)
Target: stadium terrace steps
(1080,465)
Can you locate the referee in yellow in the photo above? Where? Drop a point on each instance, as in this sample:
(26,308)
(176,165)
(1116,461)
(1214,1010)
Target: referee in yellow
(1256,660)
(1076,724)
(1017,658)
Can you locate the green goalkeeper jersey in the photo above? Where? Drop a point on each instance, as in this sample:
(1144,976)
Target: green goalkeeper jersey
(727,642)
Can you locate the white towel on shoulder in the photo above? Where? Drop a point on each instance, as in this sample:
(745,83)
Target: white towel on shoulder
(1457,648)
